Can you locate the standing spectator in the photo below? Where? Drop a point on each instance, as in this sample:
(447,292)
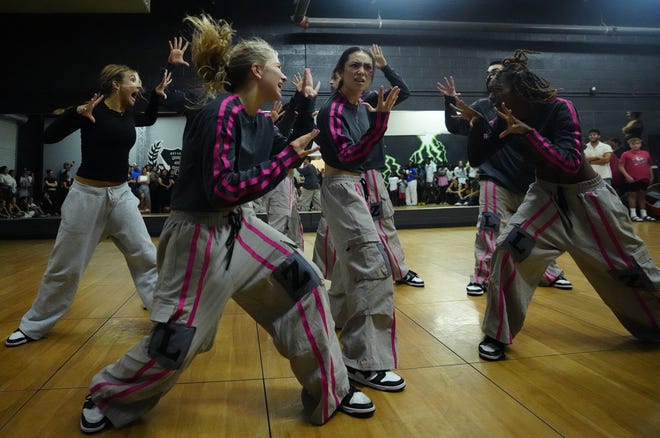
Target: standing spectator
(143,190)
(599,154)
(403,185)
(51,187)
(442,182)
(393,188)
(100,204)
(412,173)
(635,166)
(164,191)
(5,183)
(429,178)
(310,197)
(25,184)
(635,127)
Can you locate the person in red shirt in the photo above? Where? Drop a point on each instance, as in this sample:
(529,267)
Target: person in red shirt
(635,165)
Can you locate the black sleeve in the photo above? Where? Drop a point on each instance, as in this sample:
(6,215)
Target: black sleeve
(395,80)
(455,126)
(66,124)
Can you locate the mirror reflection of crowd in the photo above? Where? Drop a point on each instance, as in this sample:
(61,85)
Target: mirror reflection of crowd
(152,185)
(431,183)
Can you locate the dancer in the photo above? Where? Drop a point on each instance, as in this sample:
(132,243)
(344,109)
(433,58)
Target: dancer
(100,203)
(379,201)
(503,181)
(346,138)
(213,247)
(568,208)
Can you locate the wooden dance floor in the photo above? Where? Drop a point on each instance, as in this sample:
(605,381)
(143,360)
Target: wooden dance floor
(573,371)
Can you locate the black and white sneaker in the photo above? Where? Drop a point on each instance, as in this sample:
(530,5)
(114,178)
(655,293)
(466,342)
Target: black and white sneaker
(384,380)
(491,349)
(411,279)
(357,404)
(475,289)
(17,338)
(92,419)
(562,283)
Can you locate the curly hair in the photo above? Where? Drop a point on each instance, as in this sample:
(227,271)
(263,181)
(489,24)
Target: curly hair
(221,66)
(524,83)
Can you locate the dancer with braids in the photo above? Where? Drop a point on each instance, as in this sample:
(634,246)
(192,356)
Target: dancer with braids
(567,209)
(100,203)
(367,310)
(213,247)
(503,181)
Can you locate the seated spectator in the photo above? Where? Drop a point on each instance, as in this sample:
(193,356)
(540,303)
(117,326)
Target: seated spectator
(4,213)
(14,210)
(456,193)
(31,206)
(47,205)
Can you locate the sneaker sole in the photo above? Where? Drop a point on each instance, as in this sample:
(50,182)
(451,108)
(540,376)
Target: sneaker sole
(490,357)
(394,388)
(475,293)
(357,412)
(558,286)
(15,344)
(90,430)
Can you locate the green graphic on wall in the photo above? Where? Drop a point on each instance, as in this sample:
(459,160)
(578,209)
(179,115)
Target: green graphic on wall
(430,147)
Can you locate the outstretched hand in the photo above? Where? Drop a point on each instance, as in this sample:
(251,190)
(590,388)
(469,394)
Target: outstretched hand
(384,105)
(305,84)
(514,125)
(464,111)
(277,111)
(167,80)
(177,48)
(448,88)
(300,143)
(87,108)
(376,51)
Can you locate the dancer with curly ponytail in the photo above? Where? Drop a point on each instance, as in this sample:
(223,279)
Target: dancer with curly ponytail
(213,247)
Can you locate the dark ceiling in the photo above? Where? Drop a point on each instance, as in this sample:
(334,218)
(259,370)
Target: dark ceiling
(635,13)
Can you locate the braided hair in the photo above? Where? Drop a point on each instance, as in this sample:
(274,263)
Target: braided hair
(524,83)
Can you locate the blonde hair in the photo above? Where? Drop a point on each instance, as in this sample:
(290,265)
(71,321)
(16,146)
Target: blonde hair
(221,66)
(112,72)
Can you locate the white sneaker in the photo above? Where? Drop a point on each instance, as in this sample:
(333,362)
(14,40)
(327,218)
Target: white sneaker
(475,289)
(411,279)
(562,283)
(357,404)
(92,419)
(384,380)
(17,338)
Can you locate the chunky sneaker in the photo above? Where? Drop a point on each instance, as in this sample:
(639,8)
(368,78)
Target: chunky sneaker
(648,219)
(382,380)
(17,338)
(92,419)
(475,289)
(411,279)
(491,349)
(636,219)
(562,283)
(357,404)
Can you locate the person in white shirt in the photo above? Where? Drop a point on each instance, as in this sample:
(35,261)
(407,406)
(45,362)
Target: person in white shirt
(598,154)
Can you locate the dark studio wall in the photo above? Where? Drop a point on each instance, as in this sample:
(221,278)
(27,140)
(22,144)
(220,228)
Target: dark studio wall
(61,68)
